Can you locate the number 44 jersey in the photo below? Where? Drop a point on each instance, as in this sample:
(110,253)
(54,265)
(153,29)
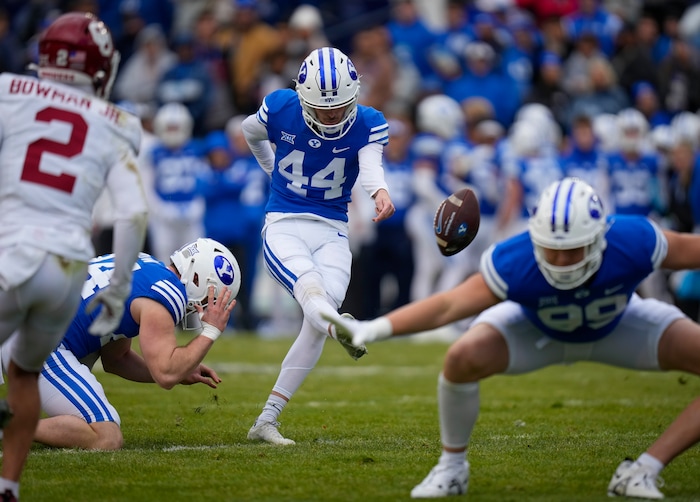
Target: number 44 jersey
(59,147)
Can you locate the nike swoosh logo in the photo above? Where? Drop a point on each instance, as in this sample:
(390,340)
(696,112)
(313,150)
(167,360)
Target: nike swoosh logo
(612,290)
(338,150)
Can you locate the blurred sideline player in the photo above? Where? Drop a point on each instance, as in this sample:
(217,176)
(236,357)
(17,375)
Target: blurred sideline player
(235,185)
(439,120)
(562,292)
(202,277)
(323,140)
(178,167)
(61,144)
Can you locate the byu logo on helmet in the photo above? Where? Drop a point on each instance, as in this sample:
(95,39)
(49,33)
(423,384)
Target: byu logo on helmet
(224,269)
(303,72)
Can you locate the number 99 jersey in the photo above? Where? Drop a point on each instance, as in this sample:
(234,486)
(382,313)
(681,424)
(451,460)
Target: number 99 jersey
(59,147)
(635,248)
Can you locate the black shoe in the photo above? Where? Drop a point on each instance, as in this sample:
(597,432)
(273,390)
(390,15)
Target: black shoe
(8,496)
(5,413)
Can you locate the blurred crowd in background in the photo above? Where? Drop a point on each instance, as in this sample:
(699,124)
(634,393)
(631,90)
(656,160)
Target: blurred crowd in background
(504,96)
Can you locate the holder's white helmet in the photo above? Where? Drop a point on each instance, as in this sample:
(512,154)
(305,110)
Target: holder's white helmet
(441,115)
(204,263)
(569,215)
(327,80)
(173,124)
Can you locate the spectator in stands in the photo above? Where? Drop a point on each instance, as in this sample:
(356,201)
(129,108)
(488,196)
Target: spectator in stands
(411,40)
(141,73)
(679,78)
(592,17)
(547,88)
(209,51)
(605,94)
(646,100)
(11,54)
(633,61)
(374,60)
(576,78)
(305,33)
(187,82)
(251,43)
(483,79)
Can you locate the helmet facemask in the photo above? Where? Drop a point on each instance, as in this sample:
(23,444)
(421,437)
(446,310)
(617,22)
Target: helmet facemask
(569,215)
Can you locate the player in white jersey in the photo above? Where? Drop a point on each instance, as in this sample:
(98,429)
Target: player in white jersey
(323,140)
(561,292)
(61,143)
(79,415)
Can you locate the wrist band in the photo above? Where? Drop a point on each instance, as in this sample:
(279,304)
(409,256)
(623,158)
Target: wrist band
(210,331)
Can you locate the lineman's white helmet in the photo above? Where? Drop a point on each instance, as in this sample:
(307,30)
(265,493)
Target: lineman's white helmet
(569,215)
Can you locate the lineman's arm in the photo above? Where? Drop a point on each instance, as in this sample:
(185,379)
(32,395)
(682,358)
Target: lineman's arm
(683,251)
(465,300)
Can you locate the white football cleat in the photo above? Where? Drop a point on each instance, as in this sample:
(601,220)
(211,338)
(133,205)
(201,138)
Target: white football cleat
(443,481)
(632,479)
(345,338)
(267,431)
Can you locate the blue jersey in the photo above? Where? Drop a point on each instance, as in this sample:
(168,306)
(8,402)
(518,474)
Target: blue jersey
(534,174)
(635,248)
(313,175)
(426,149)
(633,184)
(178,172)
(151,279)
(484,175)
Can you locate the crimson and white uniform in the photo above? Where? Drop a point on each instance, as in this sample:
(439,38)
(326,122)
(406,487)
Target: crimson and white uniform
(59,147)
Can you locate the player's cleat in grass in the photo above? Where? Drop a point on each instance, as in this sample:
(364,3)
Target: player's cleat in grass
(268,432)
(443,481)
(632,479)
(5,413)
(7,496)
(345,338)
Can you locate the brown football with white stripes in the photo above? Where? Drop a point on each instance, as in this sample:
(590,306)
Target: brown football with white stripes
(457,221)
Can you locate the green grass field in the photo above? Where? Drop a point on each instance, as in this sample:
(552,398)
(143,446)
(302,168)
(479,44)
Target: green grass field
(368,431)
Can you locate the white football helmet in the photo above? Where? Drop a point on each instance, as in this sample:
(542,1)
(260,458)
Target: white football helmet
(526,140)
(328,80)
(440,115)
(686,127)
(204,263)
(633,129)
(605,130)
(173,124)
(569,215)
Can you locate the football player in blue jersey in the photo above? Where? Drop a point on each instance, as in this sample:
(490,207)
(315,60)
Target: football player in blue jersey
(201,280)
(561,292)
(322,141)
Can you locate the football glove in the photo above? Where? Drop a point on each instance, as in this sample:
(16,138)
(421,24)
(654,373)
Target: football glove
(363,331)
(112,300)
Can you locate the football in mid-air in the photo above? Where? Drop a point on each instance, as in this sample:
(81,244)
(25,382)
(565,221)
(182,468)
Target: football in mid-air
(457,221)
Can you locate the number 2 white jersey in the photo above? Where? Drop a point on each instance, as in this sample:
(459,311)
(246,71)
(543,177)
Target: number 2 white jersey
(59,147)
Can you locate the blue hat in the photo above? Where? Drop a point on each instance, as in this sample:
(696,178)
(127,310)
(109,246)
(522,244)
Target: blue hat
(642,86)
(549,58)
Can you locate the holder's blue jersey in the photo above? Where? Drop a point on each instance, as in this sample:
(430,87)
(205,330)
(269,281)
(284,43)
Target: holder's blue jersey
(151,279)
(635,247)
(313,175)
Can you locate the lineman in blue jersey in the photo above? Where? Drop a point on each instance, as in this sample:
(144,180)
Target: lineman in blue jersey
(323,140)
(559,293)
(79,413)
